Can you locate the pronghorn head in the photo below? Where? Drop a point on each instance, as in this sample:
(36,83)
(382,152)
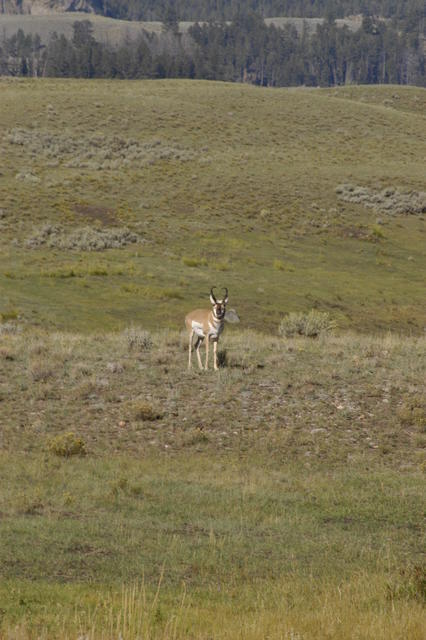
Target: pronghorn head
(219,306)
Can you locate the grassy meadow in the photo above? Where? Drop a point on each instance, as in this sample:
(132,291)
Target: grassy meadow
(281,497)
(278,498)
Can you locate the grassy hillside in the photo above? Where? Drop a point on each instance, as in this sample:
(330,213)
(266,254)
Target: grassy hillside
(220,184)
(278,498)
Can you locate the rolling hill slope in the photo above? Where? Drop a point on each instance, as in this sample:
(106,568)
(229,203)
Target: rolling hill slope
(220,185)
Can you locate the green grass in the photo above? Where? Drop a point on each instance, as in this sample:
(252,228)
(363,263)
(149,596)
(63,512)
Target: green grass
(281,495)
(237,178)
(220,532)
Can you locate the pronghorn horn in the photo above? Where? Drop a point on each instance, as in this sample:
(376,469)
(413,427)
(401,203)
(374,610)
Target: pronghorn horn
(226,292)
(212,294)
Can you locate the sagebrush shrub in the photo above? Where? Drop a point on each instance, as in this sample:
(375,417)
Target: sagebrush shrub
(96,152)
(66,445)
(309,324)
(82,239)
(388,200)
(138,339)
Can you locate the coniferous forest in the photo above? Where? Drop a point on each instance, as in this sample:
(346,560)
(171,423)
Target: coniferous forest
(389,47)
(196,10)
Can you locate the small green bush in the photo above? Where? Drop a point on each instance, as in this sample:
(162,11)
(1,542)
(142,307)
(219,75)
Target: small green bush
(279,265)
(309,324)
(413,413)
(145,411)
(66,445)
(194,262)
(220,266)
(377,232)
(8,315)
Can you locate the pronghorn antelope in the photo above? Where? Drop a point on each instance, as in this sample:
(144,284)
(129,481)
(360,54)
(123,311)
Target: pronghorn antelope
(207,324)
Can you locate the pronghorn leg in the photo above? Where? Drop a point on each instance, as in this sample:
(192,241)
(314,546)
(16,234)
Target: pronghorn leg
(215,355)
(190,349)
(197,349)
(207,351)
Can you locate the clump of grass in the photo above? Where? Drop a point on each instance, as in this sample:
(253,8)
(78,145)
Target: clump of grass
(388,200)
(310,324)
(66,445)
(8,315)
(138,339)
(41,370)
(377,232)
(196,436)
(145,411)
(413,412)
(27,176)
(115,367)
(194,262)
(410,586)
(82,239)
(278,265)
(220,266)
(9,328)
(6,354)
(30,505)
(171,293)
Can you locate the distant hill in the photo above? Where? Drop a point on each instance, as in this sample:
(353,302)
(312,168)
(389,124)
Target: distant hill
(114,31)
(106,30)
(45,7)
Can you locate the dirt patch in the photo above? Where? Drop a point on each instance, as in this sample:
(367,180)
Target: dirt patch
(101,214)
(353,232)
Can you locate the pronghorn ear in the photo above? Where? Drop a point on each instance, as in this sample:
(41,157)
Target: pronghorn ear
(212,300)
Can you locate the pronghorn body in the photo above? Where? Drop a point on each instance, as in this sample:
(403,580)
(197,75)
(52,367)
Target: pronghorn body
(206,324)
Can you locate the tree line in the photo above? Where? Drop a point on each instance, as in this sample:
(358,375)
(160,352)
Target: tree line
(242,50)
(203,10)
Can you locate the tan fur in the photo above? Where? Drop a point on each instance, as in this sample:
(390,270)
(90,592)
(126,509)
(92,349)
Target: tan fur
(203,316)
